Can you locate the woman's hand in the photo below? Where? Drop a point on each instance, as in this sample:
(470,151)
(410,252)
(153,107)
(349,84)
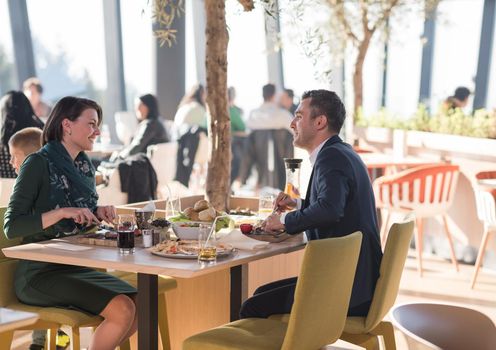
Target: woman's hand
(82,216)
(106,213)
(284,202)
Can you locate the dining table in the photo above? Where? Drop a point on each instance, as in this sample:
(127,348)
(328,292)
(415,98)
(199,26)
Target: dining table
(13,319)
(149,266)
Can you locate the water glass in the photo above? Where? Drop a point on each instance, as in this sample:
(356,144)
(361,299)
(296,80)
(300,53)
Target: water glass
(125,233)
(206,243)
(172,207)
(265,205)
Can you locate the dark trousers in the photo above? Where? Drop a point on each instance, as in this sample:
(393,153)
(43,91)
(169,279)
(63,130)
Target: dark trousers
(278,297)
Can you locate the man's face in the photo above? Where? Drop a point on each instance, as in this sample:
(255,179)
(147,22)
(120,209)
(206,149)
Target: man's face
(304,127)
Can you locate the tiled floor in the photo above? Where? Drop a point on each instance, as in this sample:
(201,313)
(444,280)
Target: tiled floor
(440,284)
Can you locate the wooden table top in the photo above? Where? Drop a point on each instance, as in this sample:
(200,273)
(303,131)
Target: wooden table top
(142,260)
(13,319)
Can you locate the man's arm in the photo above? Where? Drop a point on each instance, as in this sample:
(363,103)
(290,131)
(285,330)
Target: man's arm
(333,188)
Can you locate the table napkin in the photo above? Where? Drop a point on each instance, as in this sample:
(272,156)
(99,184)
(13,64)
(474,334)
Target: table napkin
(241,241)
(67,246)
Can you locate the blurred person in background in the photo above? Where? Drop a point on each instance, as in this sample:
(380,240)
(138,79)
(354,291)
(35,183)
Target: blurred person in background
(33,90)
(191,110)
(458,100)
(286,101)
(150,128)
(238,133)
(16,113)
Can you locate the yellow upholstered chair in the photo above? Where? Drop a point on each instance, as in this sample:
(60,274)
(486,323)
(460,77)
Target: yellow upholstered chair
(363,331)
(52,318)
(317,318)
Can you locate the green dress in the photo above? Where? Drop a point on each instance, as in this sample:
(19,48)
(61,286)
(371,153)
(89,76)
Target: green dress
(48,284)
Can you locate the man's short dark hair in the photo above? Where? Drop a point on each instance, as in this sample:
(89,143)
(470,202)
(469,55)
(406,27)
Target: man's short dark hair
(329,104)
(268,91)
(289,92)
(461,93)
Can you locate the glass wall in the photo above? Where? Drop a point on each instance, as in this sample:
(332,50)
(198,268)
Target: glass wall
(8,80)
(69,48)
(247,68)
(491,91)
(456,48)
(138,48)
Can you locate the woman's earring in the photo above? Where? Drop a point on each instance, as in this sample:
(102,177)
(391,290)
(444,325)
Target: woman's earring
(70,132)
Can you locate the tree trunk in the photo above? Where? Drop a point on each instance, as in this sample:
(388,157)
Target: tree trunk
(219,125)
(358,74)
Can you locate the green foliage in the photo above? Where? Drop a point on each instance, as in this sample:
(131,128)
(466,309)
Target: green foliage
(481,124)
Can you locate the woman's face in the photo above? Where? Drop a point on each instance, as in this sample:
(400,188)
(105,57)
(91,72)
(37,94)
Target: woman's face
(82,132)
(141,110)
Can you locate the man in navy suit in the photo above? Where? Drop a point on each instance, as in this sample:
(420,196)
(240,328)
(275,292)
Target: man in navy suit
(339,201)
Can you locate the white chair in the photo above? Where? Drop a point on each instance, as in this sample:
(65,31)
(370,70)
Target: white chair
(110,193)
(6,188)
(163,157)
(125,126)
(486,212)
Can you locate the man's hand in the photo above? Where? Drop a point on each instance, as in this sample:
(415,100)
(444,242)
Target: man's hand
(273,223)
(284,202)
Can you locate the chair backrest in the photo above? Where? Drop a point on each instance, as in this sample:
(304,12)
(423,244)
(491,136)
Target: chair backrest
(6,188)
(7,266)
(428,190)
(486,207)
(393,261)
(323,292)
(163,157)
(111,193)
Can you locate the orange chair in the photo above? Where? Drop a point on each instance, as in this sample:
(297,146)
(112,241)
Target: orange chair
(426,190)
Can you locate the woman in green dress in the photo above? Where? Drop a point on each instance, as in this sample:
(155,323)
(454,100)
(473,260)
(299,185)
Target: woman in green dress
(55,196)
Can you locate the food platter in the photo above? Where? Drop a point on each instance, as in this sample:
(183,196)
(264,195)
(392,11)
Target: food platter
(187,249)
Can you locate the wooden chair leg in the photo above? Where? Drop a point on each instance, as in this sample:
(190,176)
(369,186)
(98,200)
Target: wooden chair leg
(75,339)
(125,345)
(6,339)
(480,256)
(384,228)
(52,338)
(388,335)
(450,241)
(419,245)
(163,323)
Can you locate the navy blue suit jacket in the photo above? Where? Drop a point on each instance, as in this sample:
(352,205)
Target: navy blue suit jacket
(340,201)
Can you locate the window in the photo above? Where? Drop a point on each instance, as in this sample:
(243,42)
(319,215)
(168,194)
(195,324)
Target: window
(69,51)
(7,68)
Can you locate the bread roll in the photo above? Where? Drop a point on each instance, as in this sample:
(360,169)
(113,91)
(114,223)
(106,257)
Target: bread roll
(207,214)
(202,204)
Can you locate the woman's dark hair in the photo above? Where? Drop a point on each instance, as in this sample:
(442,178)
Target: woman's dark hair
(67,108)
(329,104)
(151,103)
(194,95)
(16,114)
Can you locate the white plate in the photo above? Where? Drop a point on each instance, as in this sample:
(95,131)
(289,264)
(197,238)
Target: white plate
(220,254)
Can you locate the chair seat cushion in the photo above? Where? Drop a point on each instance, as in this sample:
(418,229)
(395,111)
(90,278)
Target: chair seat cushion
(61,316)
(165,283)
(246,334)
(355,325)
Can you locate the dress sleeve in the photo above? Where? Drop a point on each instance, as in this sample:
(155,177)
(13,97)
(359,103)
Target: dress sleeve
(21,219)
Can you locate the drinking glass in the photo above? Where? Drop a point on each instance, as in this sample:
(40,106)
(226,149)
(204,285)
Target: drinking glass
(125,233)
(206,242)
(172,207)
(265,205)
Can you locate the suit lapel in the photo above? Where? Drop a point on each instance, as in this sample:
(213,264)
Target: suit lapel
(309,191)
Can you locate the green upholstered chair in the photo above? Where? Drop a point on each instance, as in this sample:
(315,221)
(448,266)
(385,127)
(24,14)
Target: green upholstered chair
(319,311)
(363,331)
(52,318)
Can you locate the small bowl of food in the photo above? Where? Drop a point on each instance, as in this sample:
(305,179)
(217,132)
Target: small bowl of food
(186,229)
